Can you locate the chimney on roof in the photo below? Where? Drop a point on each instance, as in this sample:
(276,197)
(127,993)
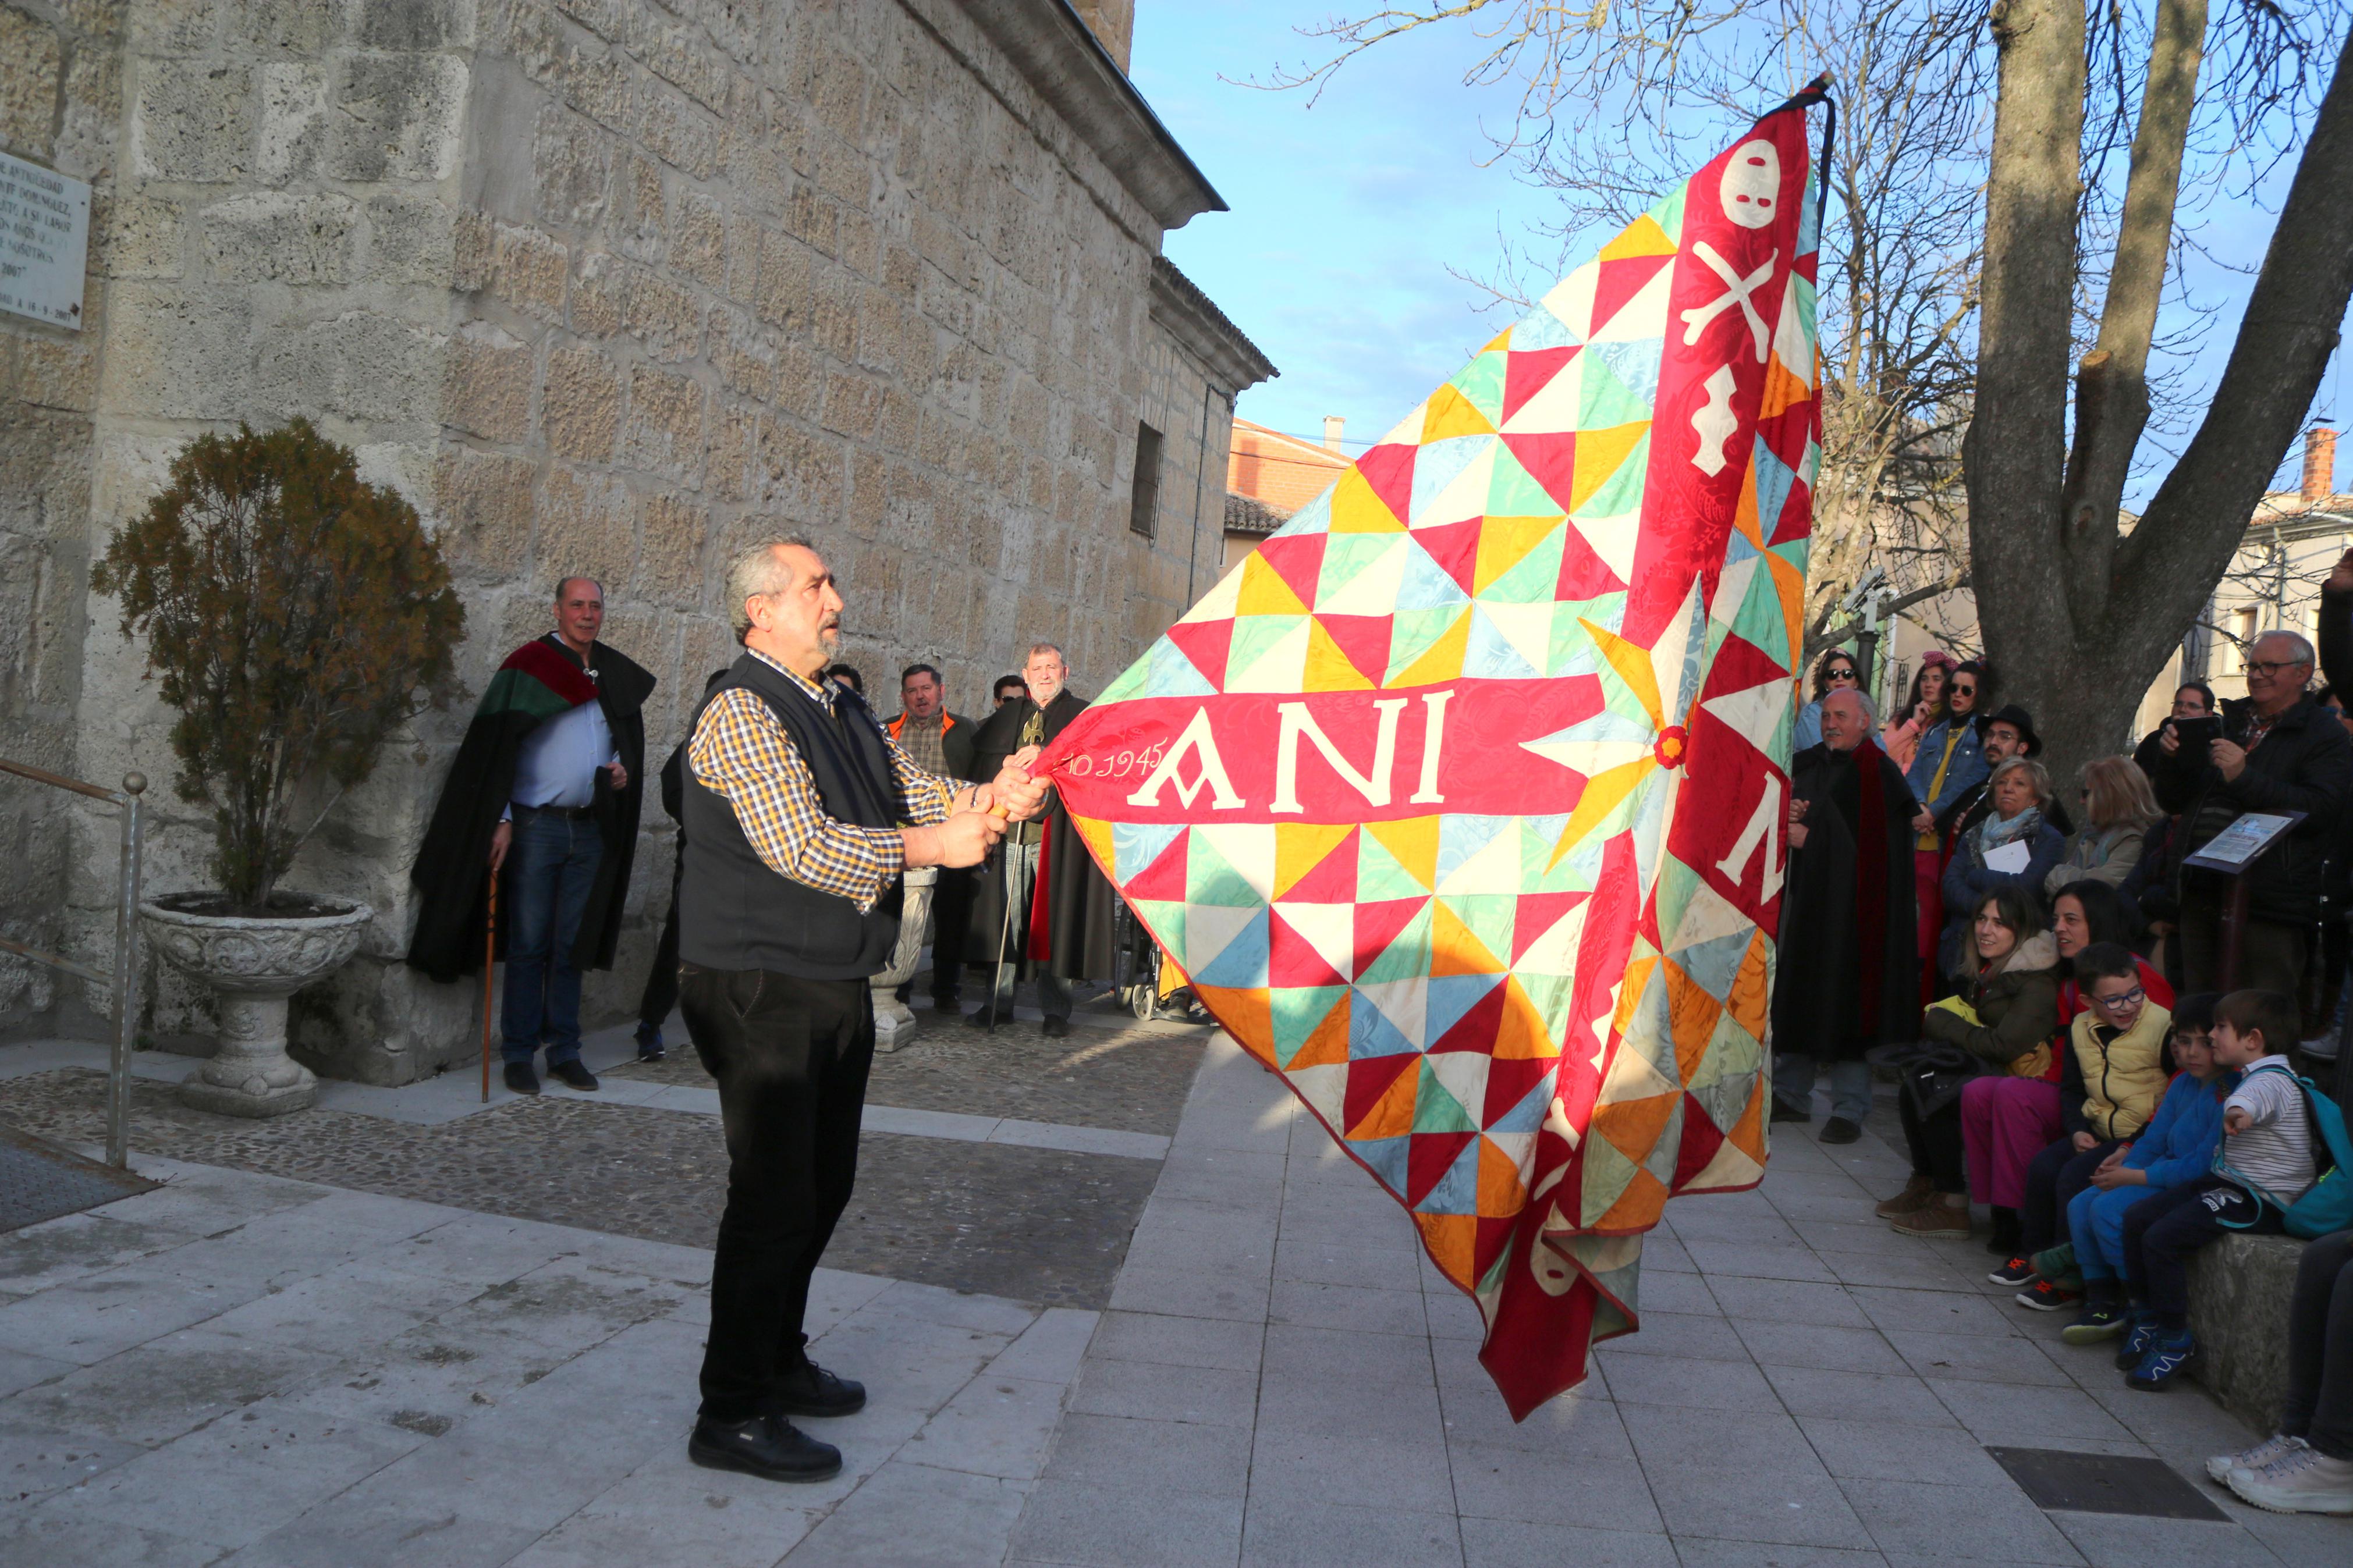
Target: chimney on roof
(1334,423)
(2320,464)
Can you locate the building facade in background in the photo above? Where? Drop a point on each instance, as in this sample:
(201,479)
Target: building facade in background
(2274,582)
(603,287)
(1270,476)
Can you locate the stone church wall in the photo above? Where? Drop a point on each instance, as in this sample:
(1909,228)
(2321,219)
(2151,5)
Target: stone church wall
(60,84)
(608,288)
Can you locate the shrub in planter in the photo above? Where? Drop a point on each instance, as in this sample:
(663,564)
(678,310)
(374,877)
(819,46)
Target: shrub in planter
(295,616)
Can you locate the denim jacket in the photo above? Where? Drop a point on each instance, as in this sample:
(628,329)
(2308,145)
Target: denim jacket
(1969,764)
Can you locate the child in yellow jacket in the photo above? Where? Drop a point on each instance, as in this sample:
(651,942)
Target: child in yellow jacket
(2112,1078)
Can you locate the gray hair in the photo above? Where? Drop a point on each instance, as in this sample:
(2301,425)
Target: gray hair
(1857,695)
(1055,648)
(2036,775)
(564,582)
(2303,654)
(756,571)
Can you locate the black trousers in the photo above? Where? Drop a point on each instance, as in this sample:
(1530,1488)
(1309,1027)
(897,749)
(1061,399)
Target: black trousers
(2319,1404)
(2161,1232)
(2054,1177)
(1935,1142)
(791,1057)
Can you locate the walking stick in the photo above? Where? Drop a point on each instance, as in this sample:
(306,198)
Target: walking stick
(490,965)
(1004,938)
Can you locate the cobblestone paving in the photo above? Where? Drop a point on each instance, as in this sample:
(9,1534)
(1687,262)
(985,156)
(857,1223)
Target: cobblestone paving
(1134,1081)
(1034,1224)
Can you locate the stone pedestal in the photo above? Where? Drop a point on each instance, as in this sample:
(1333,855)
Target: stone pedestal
(253,964)
(894,1021)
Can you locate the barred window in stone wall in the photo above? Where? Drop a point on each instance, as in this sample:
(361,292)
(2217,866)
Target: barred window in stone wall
(1144,505)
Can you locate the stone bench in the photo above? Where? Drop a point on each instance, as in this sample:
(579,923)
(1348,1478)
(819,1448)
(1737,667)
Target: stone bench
(2239,1291)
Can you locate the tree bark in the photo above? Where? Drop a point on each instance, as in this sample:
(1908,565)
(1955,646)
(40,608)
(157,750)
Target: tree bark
(2014,456)
(2111,401)
(2080,655)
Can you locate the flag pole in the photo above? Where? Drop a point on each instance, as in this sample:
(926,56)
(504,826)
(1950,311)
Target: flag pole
(490,966)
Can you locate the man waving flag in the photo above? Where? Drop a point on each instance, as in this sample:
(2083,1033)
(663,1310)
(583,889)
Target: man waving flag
(1461,801)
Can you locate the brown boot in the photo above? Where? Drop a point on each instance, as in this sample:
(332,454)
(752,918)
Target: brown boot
(1944,1215)
(1913,1199)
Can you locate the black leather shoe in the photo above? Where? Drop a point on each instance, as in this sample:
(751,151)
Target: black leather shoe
(521,1080)
(768,1446)
(571,1075)
(986,1018)
(1783,1113)
(1839,1129)
(810,1390)
(1055,1028)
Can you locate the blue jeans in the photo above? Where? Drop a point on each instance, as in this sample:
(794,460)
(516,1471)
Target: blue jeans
(1793,1085)
(553,869)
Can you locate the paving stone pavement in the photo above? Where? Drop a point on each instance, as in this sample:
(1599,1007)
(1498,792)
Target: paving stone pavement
(1283,1378)
(1035,1210)
(1131,1076)
(241,1369)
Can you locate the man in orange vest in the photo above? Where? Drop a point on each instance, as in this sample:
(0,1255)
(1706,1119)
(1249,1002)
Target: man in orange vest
(940,741)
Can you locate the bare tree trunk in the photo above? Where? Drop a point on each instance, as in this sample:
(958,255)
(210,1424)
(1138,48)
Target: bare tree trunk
(2112,385)
(2014,458)
(2077,620)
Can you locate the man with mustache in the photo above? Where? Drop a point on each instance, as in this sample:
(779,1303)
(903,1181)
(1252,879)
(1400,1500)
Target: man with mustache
(794,802)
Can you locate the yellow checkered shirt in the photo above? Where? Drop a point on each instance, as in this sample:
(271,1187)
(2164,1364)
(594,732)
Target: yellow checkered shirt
(740,750)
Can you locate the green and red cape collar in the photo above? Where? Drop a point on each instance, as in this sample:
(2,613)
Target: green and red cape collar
(538,679)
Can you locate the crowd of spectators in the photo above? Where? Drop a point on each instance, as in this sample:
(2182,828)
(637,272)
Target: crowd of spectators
(2118,1052)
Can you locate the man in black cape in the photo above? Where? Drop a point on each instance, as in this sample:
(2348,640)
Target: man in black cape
(1076,939)
(509,781)
(1849,975)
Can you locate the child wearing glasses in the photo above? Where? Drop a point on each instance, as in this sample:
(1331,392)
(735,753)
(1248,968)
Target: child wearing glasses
(2262,1164)
(2112,1079)
(2176,1147)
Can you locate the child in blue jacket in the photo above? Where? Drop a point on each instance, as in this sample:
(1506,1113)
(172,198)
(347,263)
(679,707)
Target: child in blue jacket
(2177,1146)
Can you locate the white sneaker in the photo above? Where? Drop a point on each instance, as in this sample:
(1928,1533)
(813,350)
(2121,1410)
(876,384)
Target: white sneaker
(2268,1451)
(2307,1481)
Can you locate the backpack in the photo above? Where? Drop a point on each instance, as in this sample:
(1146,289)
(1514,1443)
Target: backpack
(2327,1205)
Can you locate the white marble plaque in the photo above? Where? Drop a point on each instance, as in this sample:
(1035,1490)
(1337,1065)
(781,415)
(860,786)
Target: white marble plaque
(44,241)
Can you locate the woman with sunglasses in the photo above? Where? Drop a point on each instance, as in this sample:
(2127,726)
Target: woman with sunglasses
(1834,671)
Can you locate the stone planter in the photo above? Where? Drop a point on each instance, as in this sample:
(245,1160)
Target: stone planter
(894,1021)
(253,964)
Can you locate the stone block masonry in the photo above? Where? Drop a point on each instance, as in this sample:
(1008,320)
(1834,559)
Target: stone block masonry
(605,287)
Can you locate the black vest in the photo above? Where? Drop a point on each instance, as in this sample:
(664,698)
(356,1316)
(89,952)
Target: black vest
(733,911)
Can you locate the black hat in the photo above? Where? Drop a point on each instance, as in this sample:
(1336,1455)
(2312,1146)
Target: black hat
(2017,719)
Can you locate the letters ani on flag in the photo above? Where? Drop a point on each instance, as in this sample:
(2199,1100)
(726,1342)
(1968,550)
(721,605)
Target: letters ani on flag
(1460,802)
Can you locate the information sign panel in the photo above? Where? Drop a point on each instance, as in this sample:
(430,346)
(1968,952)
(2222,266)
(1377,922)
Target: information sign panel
(44,242)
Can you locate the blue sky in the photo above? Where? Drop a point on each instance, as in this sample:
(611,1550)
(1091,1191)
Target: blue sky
(1347,215)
